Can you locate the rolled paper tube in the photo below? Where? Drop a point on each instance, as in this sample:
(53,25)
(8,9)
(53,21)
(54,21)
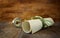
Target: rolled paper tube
(48,22)
(37,17)
(17,22)
(32,26)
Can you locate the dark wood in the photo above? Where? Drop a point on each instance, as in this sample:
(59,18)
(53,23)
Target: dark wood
(50,32)
(25,9)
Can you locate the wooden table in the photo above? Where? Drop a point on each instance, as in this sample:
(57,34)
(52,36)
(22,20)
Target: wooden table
(9,31)
(50,32)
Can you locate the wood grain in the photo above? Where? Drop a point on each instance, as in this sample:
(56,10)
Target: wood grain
(25,9)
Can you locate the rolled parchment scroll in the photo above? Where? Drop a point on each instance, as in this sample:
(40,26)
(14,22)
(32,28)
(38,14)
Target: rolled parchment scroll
(17,22)
(48,22)
(33,25)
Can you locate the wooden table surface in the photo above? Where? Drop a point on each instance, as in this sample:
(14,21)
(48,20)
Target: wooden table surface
(9,31)
(50,32)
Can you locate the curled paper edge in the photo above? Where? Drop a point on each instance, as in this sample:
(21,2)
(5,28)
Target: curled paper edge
(48,22)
